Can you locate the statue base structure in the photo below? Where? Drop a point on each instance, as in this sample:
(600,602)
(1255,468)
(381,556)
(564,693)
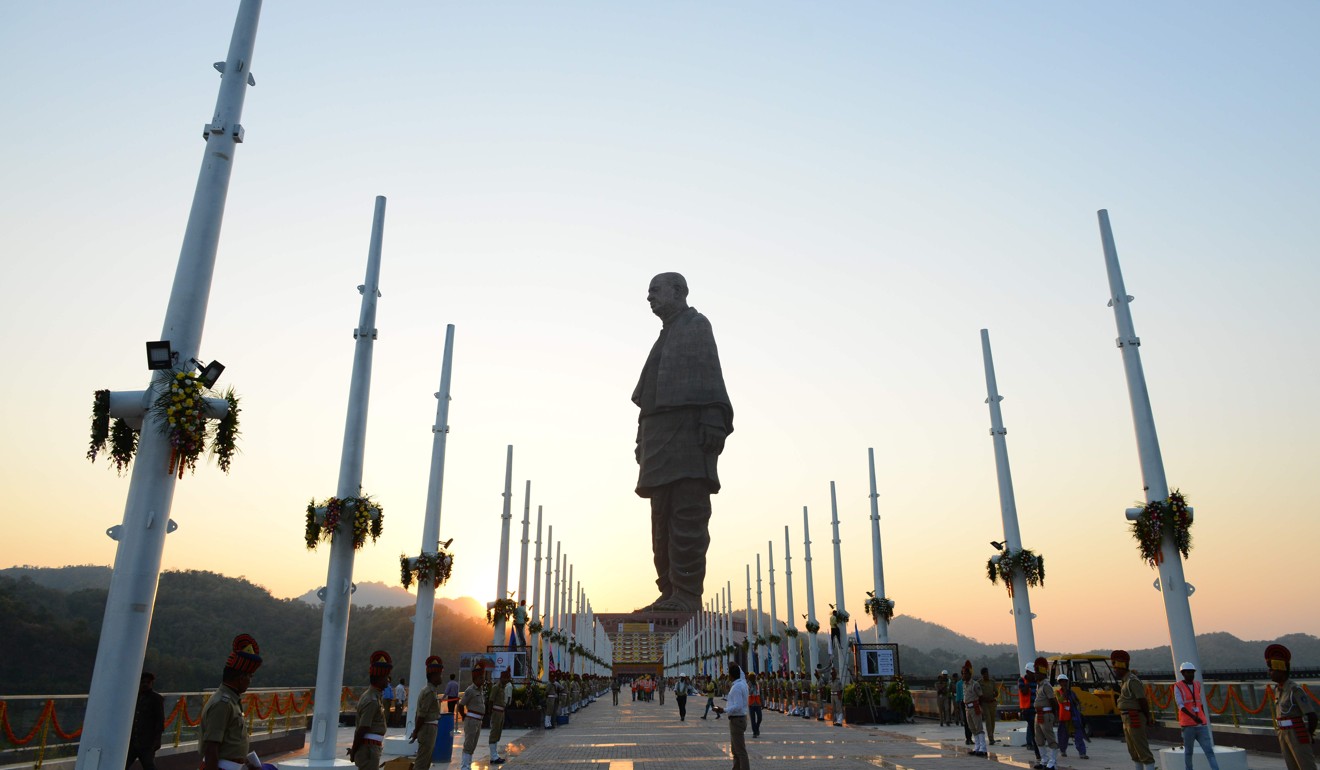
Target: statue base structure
(639,637)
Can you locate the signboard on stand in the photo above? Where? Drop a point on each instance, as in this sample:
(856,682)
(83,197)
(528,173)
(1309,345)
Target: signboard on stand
(877,661)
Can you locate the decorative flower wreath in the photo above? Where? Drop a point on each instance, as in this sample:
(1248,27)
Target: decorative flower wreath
(182,406)
(878,607)
(1158,517)
(435,567)
(774,639)
(535,627)
(368,518)
(503,610)
(1005,566)
(813,627)
(841,615)
(791,632)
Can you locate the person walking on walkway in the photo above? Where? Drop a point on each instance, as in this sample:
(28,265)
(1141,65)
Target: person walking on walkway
(369,735)
(223,738)
(427,717)
(681,693)
(709,691)
(971,689)
(1026,706)
(473,707)
(1047,717)
(451,693)
(148,724)
(1192,717)
(501,694)
(754,704)
(1294,715)
(942,697)
(737,710)
(989,705)
(1135,711)
(1070,719)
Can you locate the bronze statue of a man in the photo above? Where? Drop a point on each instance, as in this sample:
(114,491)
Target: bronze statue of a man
(685,417)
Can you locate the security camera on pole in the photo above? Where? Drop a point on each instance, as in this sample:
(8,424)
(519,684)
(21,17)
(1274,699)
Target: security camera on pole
(131,599)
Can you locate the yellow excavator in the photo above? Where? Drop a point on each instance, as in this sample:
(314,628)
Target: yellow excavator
(1096,687)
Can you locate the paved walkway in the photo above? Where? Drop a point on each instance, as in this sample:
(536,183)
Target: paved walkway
(648,736)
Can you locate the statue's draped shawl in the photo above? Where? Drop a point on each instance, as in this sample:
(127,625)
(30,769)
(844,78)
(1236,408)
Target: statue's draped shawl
(687,369)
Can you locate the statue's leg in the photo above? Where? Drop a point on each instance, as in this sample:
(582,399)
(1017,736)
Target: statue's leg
(660,503)
(689,538)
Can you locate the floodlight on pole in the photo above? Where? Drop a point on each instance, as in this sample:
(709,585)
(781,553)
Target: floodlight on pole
(210,373)
(159,355)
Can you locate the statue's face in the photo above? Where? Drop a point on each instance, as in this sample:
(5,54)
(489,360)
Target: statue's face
(663,297)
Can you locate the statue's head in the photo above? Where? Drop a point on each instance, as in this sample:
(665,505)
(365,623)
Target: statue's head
(667,294)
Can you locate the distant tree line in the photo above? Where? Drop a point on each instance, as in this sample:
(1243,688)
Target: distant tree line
(49,638)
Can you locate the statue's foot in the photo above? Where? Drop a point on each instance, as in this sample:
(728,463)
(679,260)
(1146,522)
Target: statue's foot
(675,604)
(653,605)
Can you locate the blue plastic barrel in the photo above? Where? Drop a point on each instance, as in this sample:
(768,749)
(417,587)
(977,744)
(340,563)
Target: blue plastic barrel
(444,739)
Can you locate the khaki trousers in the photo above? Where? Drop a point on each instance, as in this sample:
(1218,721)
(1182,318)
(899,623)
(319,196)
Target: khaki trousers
(1134,735)
(973,718)
(496,727)
(1297,755)
(425,746)
(471,734)
(367,757)
(1046,726)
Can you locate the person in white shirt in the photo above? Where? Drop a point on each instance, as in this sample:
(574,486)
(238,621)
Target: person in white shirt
(736,708)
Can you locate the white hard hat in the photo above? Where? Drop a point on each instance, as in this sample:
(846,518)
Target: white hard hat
(944,672)
(1187,666)
(1029,670)
(1062,677)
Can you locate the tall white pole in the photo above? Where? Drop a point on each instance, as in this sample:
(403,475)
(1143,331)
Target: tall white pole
(522,562)
(774,613)
(506,516)
(728,617)
(553,598)
(339,579)
(569,617)
(881,625)
(811,595)
(1172,584)
(792,619)
(535,608)
(759,631)
(424,616)
(845,641)
(749,634)
(1022,615)
(131,600)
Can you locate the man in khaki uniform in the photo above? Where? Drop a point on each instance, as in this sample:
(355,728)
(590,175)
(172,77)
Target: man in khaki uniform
(989,705)
(501,695)
(224,738)
(473,707)
(1134,709)
(836,698)
(1294,716)
(551,699)
(1047,716)
(972,707)
(427,716)
(369,735)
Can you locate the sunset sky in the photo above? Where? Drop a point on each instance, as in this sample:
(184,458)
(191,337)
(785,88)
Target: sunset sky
(853,190)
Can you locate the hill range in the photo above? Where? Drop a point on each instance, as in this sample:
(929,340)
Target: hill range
(52,618)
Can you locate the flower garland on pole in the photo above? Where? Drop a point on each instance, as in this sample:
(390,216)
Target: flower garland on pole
(368,519)
(1157,517)
(182,409)
(813,627)
(435,567)
(791,632)
(879,607)
(503,609)
(1006,566)
(535,627)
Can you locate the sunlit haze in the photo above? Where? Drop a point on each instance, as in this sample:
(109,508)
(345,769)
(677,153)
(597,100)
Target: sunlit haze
(853,190)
